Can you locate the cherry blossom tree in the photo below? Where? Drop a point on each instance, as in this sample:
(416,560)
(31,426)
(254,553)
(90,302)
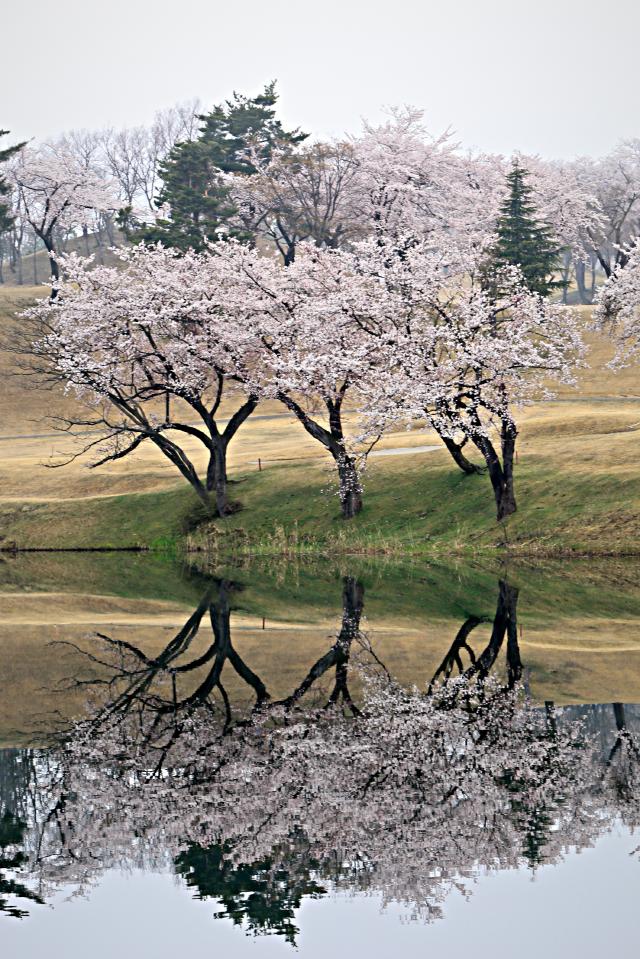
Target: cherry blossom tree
(311,355)
(615,182)
(410,181)
(56,192)
(148,348)
(570,206)
(452,352)
(618,307)
(409,331)
(86,147)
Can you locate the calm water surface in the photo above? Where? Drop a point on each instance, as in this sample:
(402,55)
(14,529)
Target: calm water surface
(365,761)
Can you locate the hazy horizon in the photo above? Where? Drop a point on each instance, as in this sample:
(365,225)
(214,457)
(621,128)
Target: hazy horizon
(554,78)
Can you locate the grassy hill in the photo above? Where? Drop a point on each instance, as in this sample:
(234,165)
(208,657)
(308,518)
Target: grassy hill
(35,267)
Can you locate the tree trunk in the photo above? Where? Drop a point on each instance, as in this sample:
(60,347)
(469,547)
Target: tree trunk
(217,476)
(350,488)
(504,623)
(333,440)
(507,501)
(352,605)
(108,225)
(454,654)
(580,280)
(501,474)
(47,239)
(503,492)
(338,655)
(619,715)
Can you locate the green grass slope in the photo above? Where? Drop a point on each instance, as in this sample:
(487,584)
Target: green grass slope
(413,505)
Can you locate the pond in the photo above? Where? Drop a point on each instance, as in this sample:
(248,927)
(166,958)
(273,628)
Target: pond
(355,758)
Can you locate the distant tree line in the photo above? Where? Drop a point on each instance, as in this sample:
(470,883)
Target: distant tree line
(191,173)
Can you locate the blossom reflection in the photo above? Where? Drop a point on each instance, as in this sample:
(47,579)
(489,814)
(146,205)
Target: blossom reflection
(361,785)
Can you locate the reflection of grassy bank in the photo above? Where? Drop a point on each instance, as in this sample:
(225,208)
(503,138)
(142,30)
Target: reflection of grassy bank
(579,623)
(310,590)
(128,575)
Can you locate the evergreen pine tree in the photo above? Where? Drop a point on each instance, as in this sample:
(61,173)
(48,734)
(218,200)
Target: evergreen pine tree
(196,196)
(523,240)
(6,219)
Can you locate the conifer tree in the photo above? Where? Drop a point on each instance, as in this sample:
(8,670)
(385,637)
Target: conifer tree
(197,199)
(523,239)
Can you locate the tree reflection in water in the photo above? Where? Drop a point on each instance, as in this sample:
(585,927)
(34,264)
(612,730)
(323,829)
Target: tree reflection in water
(409,793)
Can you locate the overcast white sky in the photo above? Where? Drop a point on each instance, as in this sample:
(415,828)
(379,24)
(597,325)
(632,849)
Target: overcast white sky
(557,77)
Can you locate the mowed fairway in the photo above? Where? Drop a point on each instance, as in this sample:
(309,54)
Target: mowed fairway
(578,482)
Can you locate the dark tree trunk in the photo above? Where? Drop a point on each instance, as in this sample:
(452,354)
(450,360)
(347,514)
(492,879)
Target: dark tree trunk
(217,481)
(338,655)
(47,239)
(220,614)
(333,440)
(453,659)
(603,260)
(350,488)
(621,727)
(618,712)
(352,605)
(504,623)
(506,502)
(504,494)
(501,474)
(217,476)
